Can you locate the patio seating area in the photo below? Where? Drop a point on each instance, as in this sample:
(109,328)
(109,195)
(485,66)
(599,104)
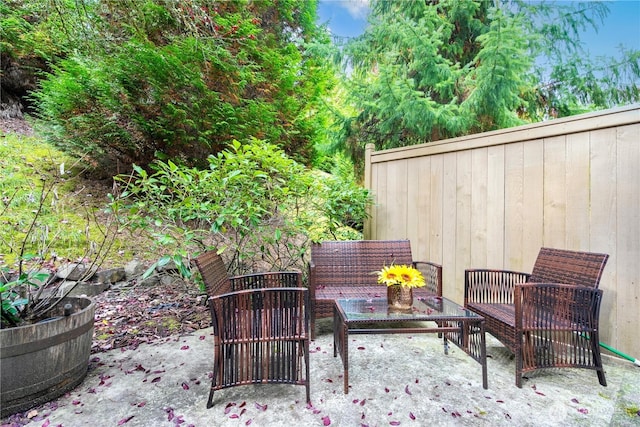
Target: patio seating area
(165,383)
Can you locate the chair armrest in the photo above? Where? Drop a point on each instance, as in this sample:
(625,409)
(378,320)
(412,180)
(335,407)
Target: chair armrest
(558,307)
(271,279)
(432,273)
(487,286)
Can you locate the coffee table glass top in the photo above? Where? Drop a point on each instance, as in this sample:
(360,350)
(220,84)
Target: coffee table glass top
(428,308)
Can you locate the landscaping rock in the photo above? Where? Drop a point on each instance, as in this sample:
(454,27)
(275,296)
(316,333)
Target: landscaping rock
(168,267)
(112,275)
(76,271)
(150,281)
(133,269)
(82,288)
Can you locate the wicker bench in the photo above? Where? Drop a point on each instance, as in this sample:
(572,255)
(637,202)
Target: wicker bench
(344,269)
(549,318)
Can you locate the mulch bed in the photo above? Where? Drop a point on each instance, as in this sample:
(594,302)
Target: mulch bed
(127,316)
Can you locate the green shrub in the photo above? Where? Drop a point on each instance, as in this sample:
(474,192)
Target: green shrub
(253,202)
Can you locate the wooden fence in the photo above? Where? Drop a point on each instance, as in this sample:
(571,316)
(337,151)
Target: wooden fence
(493,199)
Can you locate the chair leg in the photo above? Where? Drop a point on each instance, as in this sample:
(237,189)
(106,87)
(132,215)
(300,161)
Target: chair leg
(518,354)
(595,348)
(210,401)
(307,379)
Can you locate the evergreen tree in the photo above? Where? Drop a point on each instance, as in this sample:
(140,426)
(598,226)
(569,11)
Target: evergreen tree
(429,70)
(180,80)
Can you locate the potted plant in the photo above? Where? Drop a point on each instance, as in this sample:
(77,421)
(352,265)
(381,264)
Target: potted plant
(45,335)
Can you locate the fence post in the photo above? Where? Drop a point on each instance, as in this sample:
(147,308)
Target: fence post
(368,150)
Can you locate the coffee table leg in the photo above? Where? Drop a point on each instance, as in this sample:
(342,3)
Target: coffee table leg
(341,344)
(446,344)
(345,356)
(483,356)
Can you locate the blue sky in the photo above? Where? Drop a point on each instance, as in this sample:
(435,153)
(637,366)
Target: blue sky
(348,18)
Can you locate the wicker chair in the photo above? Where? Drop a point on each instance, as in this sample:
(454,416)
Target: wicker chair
(260,326)
(549,318)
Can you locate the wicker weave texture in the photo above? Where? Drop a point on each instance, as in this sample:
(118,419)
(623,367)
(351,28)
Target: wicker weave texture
(546,325)
(346,269)
(260,325)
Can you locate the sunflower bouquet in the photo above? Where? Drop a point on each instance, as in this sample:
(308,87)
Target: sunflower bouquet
(403,275)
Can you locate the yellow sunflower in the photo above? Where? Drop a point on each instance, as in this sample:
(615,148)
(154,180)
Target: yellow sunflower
(403,275)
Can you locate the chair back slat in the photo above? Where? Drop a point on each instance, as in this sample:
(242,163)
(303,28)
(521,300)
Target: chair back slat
(353,263)
(568,267)
(214,273)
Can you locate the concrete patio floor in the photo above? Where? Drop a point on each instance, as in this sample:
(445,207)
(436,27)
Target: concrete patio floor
(395,380)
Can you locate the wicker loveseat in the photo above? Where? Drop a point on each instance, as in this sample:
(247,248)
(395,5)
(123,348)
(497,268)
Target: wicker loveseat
(345,269)
(549,318)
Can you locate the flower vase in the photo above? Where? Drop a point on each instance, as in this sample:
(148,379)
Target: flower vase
(399,298)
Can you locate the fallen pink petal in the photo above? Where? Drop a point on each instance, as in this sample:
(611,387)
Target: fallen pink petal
(125,420)
(326,421)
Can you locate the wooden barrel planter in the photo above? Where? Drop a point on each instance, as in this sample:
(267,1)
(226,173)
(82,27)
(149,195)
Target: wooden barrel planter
(42,361)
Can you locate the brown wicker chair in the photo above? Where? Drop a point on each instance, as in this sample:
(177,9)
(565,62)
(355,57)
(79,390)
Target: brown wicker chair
(345,269)
(260,326)
(549,318)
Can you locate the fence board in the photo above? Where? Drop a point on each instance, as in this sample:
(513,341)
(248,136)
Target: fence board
(514,205)
(604,218)
(479,178)
(533,209)
(627,249)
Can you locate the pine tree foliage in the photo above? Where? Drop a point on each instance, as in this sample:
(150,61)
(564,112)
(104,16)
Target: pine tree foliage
(148,79)
(429,70)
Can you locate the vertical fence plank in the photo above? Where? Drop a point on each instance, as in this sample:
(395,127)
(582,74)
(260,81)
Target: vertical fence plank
(578,177)
(449,219)
(627,249)
(554,194)
(463,222)
(533,209)
(604,220)
(495,207)
(435,222)
(514,205)
(479,213)
(418,211)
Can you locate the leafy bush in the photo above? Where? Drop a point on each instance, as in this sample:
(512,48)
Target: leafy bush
(253,202)
(157,79)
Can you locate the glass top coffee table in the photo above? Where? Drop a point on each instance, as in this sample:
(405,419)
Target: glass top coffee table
(372,316)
